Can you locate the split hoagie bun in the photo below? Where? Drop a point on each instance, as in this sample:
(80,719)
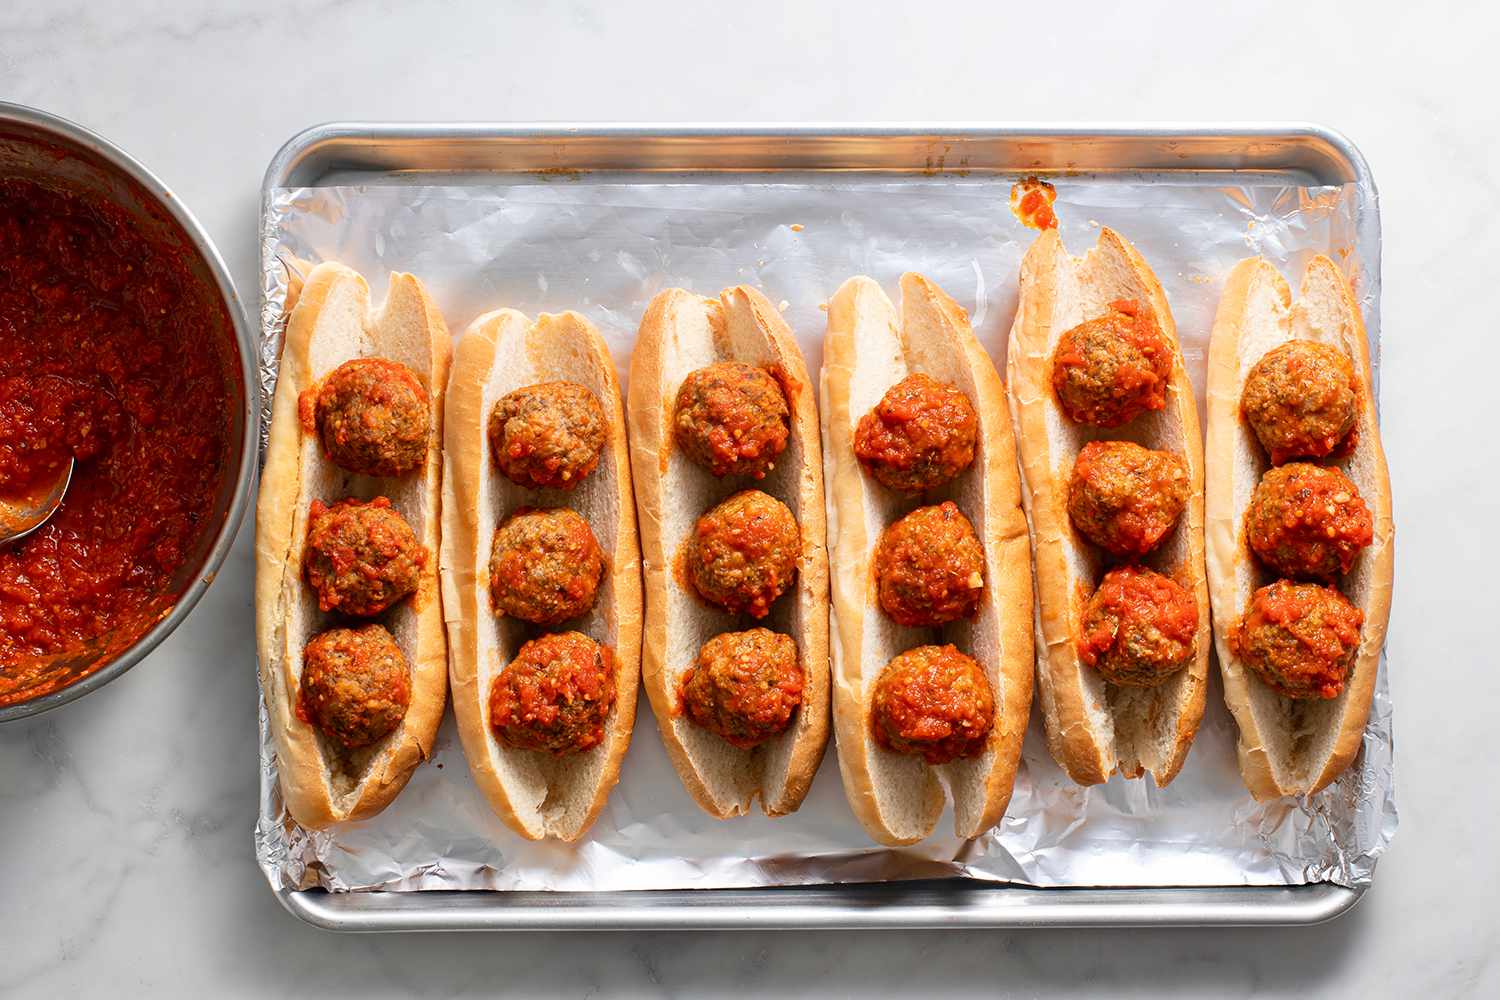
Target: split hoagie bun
(1095,727)
(1287,746)
(870,347)
(682,333)
(536,792)
(332,323)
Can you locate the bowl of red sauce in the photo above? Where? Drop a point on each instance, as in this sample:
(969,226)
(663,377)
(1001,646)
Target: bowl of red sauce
(125,349)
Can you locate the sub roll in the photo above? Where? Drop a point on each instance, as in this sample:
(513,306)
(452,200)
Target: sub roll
(932,586)
(1107,429)
(729,489)
(1300,538)
(540,569)
(349,628)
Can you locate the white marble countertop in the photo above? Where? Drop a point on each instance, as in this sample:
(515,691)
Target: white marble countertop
(125,818)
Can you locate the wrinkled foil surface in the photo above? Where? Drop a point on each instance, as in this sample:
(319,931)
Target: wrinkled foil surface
(604,246)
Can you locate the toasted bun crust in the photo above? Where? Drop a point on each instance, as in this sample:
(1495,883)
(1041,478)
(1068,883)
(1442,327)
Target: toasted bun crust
(333,323)
(1289,747)
(680,333)
(868,348)
(1095,728)
(535,793)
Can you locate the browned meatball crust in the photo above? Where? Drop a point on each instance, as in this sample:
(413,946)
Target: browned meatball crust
(555,696)
(1307,521)
(372,416)
(361,557)
(920,435)
(929,567)
(548,435)
(743,553)
(744,686)
(1299,638)
(1125,498)
(934,702)
(1139,628)
(1109,370)
(545,566)
(732,419)
(1302,400)
(355,685)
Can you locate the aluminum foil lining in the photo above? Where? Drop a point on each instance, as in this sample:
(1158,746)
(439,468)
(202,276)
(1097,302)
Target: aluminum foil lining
(604,245)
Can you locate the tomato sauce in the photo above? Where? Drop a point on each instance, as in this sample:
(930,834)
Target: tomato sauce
(103,360)
(1132,594)
(933,701)
(1308,521)
(920,435)
(1031,202)
(555,695)
(1329,628)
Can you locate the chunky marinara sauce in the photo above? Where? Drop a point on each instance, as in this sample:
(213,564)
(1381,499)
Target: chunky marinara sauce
(1031,202)
(101,360)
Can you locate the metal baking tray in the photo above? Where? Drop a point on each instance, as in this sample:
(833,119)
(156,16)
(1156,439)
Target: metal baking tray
(358,152)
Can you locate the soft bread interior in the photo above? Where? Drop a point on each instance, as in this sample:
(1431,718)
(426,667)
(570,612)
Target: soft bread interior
(345,329)
(1132,730)
(870,348)
(1298,739)
(548,795)
(903,794)
(691,332)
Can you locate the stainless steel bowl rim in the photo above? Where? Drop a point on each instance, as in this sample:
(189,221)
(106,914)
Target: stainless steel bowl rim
(49,125)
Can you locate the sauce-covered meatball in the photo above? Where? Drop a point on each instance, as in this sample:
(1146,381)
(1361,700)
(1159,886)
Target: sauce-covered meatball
(548,435)
(929,567)
(1125,498)
(919,436)
(1139,627)
(545,566)
(732,419)
(743,553)
(1108,370)
(1307,521)
(1301,399)
(555,695)
(935,702)
(372,417)
(745,686)
(355,685)
(361,557)
(1300,638)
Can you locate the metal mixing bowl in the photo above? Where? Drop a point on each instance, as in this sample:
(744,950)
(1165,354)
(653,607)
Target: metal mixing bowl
(36,144)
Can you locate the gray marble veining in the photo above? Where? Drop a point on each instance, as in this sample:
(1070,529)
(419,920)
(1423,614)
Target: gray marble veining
(125,818)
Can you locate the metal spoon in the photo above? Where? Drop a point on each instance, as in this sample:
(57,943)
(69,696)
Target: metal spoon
(21,516)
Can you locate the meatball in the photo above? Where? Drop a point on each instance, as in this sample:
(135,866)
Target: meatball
(1300,638)
(743,553)
(1108,370)
(929,567)
(933,701)
(545,566)
(1139,627)
(732,419)
(1301,399)
(1307,521)
(555,695)
(361,557)
(372,416)
(355,685)
(547,435)
(919,436)
(745,686)
(1125,498)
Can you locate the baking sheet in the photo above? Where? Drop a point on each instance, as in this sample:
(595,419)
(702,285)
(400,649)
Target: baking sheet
(604,244)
